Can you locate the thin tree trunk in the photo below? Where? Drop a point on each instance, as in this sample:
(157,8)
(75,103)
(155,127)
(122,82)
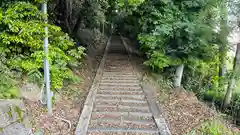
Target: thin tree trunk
(223,66)
(223,39)
(103,27)
(77,25)
(178,76)
(66,15)
(232,82)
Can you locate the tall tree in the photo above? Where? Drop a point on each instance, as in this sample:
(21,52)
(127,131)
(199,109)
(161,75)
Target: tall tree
(234,76)
(223,47)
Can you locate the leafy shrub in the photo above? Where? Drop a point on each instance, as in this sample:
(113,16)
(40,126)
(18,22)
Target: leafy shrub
(158,61)
(21,37)
(213,128)
(7,82)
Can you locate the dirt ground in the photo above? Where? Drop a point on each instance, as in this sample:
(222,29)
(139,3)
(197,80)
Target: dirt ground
(69,102)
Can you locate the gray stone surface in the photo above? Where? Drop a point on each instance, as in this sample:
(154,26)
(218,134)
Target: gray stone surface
(16,129)
(11,124)
(31,91)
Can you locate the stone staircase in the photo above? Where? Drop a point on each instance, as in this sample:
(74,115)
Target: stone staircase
(117,104)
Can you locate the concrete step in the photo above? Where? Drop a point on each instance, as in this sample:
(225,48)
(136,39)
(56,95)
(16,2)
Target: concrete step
(126,97)
(121,92)
(112,108)
(121,101)
(119,78)
(126,91)
(123,130)
(125,114)
(119,81)
(121,106)
(118,121)
(104,87)
(119,84)
(118,74)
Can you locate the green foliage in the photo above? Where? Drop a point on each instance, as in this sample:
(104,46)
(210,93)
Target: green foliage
(189,32)
(179,32)
(213,128)
(7,82)
(21,39)
(158,60)
(90,38)
(121,3)
(93,12)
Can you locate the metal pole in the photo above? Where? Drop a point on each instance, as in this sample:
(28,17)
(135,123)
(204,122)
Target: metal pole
(46,64)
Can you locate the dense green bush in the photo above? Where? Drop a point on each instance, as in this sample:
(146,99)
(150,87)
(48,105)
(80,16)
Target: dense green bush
(178,32)
(7,82)
(21,39)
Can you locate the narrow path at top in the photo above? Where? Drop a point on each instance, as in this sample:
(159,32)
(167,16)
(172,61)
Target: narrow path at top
(119,105)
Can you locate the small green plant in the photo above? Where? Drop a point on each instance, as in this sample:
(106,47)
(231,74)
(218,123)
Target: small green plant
(214,127)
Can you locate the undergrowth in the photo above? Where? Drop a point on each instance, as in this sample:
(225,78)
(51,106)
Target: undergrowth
(213,128)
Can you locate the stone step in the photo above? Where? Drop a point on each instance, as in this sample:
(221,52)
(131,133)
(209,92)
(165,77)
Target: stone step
(112,108)
(123,130)
(121,92)
(117,121)
(119,84)
(105,125)
(119,81)
(121,106)
(126,91)
(121,124)
(118,114)
(119,78)
(131,97)
(131,124)
(121,101)
(136,107)
(107,115)
(125,74)
(141,117)
(104,87)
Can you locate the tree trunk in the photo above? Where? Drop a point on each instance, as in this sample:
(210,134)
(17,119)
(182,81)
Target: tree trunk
(66,15)
(103,28)
(223,65)
(178,76)
(77,25)
(63,13)
(231,85)
(223,43)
